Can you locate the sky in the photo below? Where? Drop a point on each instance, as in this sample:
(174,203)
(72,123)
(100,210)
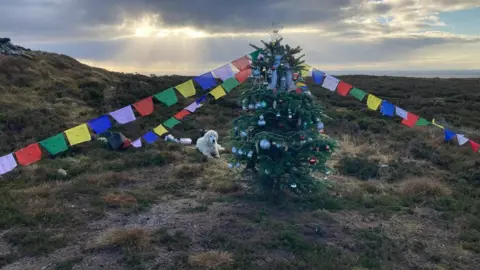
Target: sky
(191,37)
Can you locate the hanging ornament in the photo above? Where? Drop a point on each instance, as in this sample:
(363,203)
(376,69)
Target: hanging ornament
(278,115)
(264,104)
(322,131)
(250,154)
(273,68)
(274,104)
(309,139)
(281,65)
(258,105)
(238,165)
(265,144)
(243,134)
(244,107)
(327,147)
(312,160)
(261,123)
(235,128)
(240,152)
(299,122)
(289,114)
(251,106)
(293,185)
(267,171)
(265,82)
(234,150)
(230,165)
(320,125)
(302,137)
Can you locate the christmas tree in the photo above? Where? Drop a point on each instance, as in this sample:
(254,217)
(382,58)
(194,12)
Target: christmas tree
(280,133)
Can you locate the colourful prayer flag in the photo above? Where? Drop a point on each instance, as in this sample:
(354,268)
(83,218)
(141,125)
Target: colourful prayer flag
(180,115)
(436,124)
(461,139)
(300,84)
(410,120)
(387,108)
(218,92)
(124,115)
(242,63)
(330,83)
(229,84)
(318,76)
(100,124)
(449,135)
(343,88)
(78,134)
(373,102)
(170,123)
(145,106)
(254,55)
(55,144)
(223,73)
(137,143)
(160,130)
(401,112)
(150,137)
(7,163)
(243,75)
(167,97)
(358,93)
(475,146)
(29,154)
(206,81)
(201,99)
(423,122)
(187,89)
(193,107)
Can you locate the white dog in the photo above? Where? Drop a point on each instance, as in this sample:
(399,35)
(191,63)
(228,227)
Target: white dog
(208,145)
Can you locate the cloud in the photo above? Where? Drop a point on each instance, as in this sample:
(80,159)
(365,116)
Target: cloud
(156,34)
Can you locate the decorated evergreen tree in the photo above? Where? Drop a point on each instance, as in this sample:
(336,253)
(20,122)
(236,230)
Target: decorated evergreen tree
(280,134)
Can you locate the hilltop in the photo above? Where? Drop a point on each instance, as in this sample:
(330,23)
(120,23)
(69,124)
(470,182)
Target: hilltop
(399,198)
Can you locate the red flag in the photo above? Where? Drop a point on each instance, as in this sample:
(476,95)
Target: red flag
(29,154)
(243,75)
(411,120)
(343,88)
(144,106)
(181,114)
(242,63)
(475,146)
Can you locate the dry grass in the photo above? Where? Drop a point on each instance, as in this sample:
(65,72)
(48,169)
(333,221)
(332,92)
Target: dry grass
(120,200)
(351,146)
(423,186)
(211,259)
(133,239)
(109,179)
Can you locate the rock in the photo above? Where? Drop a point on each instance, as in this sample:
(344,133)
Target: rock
(62,172)
(8,48)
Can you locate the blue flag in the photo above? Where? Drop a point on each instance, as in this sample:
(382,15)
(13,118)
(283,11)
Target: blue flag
(449,135)
(206,81)
(150,137)
(387,108)
(318,76)
(201,99)
(100,125)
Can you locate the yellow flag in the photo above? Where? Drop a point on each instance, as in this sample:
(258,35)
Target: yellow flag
(437,125)
(78,134)
(218,92)
(373,102)
(160,130)
(305,70)
(300,84)
(187,89)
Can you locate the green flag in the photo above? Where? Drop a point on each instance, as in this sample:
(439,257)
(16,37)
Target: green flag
(357,93)
(168,97)
(55,144)
(423,122)
(254,55)
(229,84)
(170,123)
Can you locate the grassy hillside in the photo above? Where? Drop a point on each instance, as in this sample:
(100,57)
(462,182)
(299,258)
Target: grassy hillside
(400,198)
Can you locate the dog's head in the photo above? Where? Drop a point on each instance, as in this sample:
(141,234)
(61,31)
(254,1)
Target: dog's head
(211,137)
